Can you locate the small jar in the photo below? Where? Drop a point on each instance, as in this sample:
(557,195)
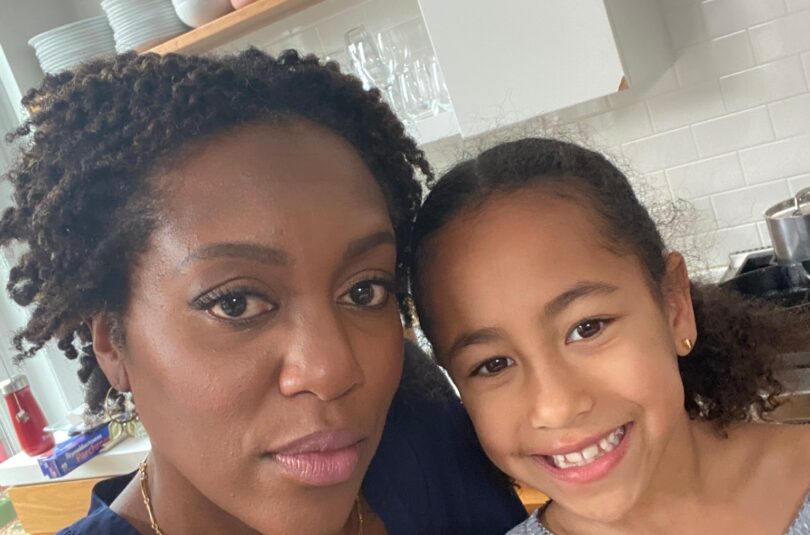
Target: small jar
(26,415)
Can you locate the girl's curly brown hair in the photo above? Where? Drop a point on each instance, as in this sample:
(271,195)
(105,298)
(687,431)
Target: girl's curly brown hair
(729,375)
(82,202)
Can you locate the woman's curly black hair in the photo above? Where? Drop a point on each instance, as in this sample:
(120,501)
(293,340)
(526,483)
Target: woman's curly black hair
(82,202)
(729,375)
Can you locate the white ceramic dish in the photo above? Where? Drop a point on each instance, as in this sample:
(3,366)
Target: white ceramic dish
(66,46)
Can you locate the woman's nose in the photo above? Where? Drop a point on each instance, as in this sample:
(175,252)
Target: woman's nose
(558,396)
(320,360)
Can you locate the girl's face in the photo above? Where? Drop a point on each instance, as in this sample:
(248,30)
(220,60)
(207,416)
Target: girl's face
(564,357)
(263,341)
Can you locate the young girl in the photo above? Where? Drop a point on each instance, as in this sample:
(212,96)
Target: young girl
(593,370)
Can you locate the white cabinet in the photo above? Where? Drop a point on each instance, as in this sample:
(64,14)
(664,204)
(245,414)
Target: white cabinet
(510,60)
(503,61)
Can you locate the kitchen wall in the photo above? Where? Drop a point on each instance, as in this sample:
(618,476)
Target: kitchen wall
(727,128)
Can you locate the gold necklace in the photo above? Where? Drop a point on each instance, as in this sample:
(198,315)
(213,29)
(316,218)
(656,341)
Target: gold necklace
(153,521)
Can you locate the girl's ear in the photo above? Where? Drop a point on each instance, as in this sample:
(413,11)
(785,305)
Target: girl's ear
(109,355)
(678,304)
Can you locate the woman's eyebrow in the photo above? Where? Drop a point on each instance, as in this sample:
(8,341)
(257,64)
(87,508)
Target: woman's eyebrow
(250,251)
(362,245)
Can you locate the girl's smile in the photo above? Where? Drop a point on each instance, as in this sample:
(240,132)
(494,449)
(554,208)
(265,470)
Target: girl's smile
(589,460)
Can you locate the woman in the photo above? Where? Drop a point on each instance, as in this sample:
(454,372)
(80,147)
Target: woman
(224,239)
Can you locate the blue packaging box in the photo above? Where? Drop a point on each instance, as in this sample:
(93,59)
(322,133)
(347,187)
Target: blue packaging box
(73,452)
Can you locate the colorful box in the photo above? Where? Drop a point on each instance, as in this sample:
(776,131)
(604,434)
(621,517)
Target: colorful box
(72,453)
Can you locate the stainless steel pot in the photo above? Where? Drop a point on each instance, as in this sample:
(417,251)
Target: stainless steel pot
(789,227)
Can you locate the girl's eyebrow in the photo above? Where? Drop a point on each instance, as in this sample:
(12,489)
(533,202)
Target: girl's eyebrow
(578,291)
(551,309)
(480,336)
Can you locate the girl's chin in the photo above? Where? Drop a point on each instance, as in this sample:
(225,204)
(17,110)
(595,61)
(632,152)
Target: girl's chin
(599,508)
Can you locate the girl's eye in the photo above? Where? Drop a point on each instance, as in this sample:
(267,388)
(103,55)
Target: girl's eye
(585,330)
(493,366)
(239,306)
(368,293)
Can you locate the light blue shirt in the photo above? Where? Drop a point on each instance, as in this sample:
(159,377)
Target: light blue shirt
(533,526)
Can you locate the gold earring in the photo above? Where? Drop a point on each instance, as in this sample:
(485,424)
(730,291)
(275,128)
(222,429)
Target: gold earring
(688,343)
(120,411)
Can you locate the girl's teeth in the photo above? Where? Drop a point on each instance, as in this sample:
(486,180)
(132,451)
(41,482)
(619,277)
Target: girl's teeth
(589,453)
(575,457)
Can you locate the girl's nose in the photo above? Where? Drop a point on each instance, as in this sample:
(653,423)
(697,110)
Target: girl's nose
(557,397)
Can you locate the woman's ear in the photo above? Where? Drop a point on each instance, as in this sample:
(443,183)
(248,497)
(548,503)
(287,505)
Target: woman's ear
(678,304)
(108,352)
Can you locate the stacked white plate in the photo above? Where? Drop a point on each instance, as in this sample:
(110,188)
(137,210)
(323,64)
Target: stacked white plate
(66,46)
(142,24)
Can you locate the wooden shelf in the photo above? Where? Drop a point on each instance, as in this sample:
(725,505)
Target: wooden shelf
(232,26)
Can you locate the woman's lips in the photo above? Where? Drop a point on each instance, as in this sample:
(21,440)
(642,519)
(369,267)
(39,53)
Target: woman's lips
(591,471)
(320,459)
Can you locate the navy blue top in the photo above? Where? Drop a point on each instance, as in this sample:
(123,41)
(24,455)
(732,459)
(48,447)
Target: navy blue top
(429,475)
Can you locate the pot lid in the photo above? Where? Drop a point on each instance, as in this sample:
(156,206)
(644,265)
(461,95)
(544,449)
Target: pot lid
(797,206)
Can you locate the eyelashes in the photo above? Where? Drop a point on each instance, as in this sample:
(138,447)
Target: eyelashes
(236,304)
(582,332)
(243,304)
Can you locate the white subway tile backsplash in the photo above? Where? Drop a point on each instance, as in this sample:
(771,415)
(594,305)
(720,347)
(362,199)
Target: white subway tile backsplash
(798,5)
(728,16)
(733,132)
(708,60)
(661,151)
(773,81)
(713,248)
(798,182)
(703,217)
(806,63)
(791,117)
(706,177)
(620,125)
(780,159)
(764,235)
(781,37)
(685,106)
(749,204)
(685,24)
(651,189)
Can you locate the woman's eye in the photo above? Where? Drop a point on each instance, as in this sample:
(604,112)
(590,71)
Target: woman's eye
(239,306)
(367,294)
(493,366)
(585,330)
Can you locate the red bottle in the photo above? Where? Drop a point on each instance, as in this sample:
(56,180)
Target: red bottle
(26,415)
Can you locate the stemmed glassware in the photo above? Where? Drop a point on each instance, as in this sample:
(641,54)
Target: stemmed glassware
(400,62)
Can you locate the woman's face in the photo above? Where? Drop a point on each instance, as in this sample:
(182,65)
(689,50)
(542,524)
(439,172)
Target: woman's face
(263,341)
(564,358)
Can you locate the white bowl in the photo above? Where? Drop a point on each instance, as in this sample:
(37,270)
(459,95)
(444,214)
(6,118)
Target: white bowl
(198,12)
